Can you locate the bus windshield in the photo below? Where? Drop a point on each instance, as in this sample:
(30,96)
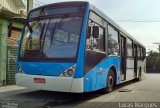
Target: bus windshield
(51,38)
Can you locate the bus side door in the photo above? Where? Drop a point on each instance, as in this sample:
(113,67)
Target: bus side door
(123,57)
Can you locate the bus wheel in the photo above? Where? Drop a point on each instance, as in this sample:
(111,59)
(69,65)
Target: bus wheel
(110,83)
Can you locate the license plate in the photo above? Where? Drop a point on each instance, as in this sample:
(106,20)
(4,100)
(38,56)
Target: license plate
(39,80)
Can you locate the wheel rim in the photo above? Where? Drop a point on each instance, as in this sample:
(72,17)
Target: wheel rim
(110,83)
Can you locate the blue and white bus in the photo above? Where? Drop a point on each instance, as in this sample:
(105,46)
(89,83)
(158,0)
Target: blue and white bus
(74,47)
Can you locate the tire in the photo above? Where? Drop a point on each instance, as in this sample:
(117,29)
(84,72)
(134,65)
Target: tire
(110,83)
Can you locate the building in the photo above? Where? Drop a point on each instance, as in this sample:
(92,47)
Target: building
(8,45)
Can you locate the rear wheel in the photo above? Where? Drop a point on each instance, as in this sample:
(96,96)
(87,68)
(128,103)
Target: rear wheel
(110,83)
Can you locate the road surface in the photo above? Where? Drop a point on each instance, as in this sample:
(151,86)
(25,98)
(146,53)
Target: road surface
(147,90)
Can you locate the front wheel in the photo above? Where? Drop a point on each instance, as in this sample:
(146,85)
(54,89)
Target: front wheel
(110,82)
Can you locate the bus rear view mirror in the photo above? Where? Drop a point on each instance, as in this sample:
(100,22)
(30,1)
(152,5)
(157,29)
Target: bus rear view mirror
(95,32)
(88,32)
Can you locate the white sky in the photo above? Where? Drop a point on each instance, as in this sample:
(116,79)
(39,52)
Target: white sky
(134,10)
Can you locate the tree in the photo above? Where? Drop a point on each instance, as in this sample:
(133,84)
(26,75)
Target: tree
(153,62)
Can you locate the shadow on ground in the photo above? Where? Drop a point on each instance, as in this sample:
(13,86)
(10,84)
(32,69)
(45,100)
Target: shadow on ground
(49,99)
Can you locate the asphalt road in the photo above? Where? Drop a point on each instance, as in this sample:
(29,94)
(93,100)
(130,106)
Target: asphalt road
(147,90)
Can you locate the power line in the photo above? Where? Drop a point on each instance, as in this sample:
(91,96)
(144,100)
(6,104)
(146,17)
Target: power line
(37,3)
(40,2)
(139,21)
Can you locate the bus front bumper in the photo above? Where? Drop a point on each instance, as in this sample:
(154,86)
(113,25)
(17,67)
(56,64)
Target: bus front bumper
(62,84)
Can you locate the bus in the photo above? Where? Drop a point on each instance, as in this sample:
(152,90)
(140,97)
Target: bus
(74,47)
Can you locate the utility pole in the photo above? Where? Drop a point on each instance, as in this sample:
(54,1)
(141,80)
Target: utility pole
(29,5)
(158,43)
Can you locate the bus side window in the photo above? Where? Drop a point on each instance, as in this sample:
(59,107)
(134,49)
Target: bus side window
(98,43)
(139,53)
(144,53)
(129,48)
(89,36)
(113,45)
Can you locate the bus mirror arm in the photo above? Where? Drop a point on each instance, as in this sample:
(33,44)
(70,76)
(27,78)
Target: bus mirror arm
(88,32)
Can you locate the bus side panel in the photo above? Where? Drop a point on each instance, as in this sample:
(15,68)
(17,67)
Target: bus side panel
(79,72)
(130,69)
(96,78)
(141,67)
(144,69)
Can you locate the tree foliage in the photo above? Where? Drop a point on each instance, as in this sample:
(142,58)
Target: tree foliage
(153,62)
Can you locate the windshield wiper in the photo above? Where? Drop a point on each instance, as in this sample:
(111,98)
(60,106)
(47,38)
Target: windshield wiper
(56,27)
(41,35)
(45,34)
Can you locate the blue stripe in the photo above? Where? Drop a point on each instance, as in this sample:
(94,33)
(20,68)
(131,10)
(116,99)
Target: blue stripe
(97,78)
(79,72)
(44,68)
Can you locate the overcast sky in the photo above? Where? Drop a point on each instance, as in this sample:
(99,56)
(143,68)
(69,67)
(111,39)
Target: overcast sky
(141,18)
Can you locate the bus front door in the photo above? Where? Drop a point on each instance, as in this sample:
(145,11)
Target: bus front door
(123,57)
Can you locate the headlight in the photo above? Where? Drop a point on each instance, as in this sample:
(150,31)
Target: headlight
(69,72)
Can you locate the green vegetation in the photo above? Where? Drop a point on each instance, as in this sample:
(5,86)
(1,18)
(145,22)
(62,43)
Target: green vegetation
(153,62)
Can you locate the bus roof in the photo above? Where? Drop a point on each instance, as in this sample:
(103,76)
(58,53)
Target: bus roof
(98,12)
(109,20)
(59,4)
